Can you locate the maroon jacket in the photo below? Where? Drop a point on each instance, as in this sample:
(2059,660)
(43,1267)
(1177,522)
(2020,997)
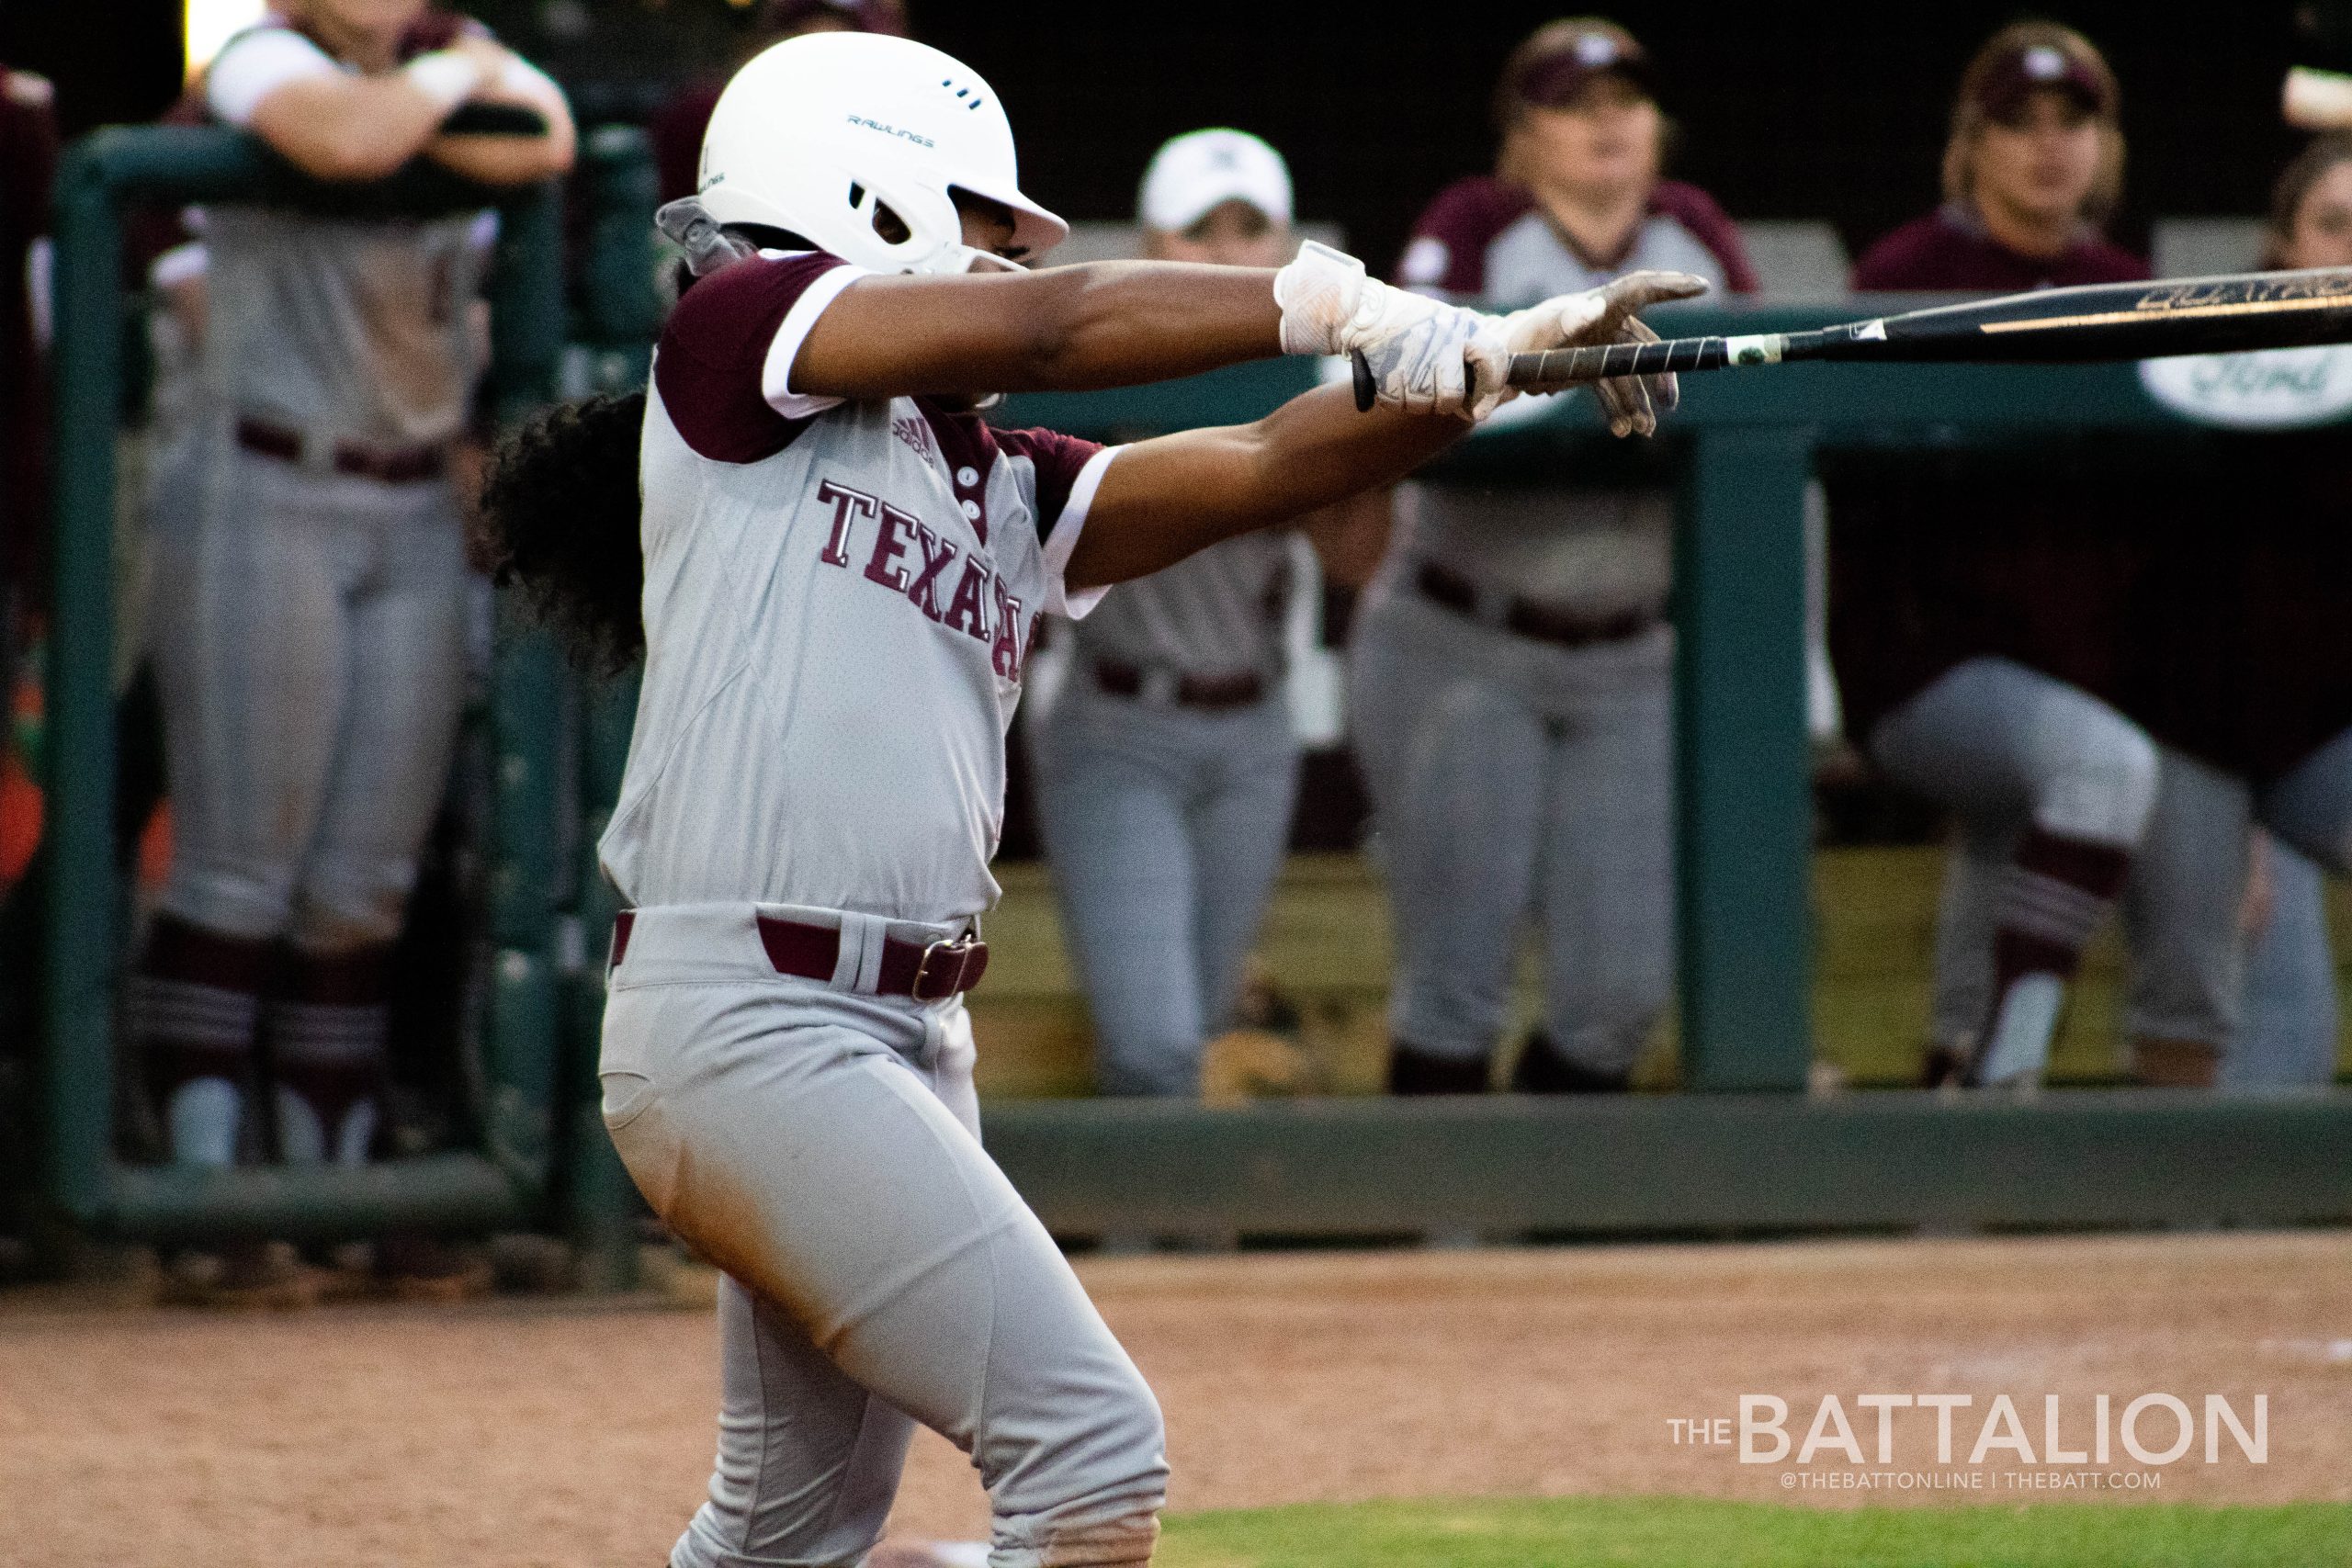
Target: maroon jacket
(1949,251)
(2147,572)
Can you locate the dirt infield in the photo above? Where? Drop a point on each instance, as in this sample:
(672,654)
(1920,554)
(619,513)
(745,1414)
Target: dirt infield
(576,1436)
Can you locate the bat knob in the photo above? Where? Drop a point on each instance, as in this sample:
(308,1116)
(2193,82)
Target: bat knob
(1367,389)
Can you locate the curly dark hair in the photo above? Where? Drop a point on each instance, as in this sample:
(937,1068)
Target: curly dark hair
(559,515)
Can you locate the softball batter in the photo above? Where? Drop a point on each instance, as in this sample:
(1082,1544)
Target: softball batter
(835,572)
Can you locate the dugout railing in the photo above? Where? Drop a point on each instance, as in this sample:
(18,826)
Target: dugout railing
(528,1160)
(1745,1148)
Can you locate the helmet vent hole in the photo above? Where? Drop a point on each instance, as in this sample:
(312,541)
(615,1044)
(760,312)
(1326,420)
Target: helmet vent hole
(856,194)
(890,226)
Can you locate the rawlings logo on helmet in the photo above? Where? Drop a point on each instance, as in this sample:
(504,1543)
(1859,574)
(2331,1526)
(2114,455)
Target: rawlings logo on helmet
(892,131)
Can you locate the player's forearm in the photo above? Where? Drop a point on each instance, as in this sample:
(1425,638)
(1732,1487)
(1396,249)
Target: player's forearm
(510,159)
(359,128)
(502,159)
(1065,329)
(1164,499)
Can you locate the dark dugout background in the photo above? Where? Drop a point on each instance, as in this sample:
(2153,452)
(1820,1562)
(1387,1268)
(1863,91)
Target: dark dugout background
(1830,110)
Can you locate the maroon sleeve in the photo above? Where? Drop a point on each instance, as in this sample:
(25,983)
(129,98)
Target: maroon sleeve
(2102,261)
(435,29)
(1909,259)
(1058,458)
(1448,249)
(1710,226)
(712,352)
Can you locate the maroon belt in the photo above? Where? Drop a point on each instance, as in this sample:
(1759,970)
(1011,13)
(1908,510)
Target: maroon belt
(388,465)
(1191,691)
(1529,617)
(928,972)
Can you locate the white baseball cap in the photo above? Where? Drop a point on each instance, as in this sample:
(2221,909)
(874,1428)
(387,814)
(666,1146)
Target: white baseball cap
(1202,170)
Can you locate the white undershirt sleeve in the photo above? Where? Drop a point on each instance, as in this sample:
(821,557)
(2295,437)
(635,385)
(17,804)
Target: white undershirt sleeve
(1063,541)
(256,66)
(775,372)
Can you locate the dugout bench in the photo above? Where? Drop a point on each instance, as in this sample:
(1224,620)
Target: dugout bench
(1745,1149)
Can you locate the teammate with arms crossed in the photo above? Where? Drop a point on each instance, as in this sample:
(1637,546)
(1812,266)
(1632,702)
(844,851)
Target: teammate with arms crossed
(838,569)
(312,649)
(1513,666)
(1167,768)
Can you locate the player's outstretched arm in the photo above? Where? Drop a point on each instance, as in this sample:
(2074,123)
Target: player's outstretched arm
(1064,329)
(1121,323)
(1163,499)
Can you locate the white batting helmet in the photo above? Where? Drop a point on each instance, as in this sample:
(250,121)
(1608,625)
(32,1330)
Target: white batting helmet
(831,135)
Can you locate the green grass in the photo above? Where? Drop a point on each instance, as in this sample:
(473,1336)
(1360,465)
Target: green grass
(1689,1533)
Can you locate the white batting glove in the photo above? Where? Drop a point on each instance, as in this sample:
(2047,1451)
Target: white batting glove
(1596,316)
(1418,348)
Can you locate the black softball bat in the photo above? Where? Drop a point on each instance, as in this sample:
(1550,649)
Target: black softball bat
(2050,326)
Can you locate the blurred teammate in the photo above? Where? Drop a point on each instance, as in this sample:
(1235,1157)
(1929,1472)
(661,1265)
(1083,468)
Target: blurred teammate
(1511,667)
(834,573)
(1167,768)
(311,645)
(2248,678)
(1975,609)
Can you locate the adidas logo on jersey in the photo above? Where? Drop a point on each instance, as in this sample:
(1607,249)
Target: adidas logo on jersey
(911,558)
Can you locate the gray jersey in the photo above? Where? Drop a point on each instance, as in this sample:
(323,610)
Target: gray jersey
(1595,552)
(342,328)
(839,598)
(1217,613)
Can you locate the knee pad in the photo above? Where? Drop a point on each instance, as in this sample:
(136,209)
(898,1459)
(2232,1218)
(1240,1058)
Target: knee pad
(248,903)
(340,908)
(2106,785)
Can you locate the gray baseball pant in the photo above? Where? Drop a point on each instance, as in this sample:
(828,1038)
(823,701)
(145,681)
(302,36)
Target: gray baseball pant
(311,651)
(311,647)
(822,1147)
(2023,762)
(1166,827)
(1509,778)
(2268,1000)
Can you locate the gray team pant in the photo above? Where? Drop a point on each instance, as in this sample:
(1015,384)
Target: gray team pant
(1165,827)
(822,1147)
(2269,999)
(2006,747)
(310,646)
(1512,777)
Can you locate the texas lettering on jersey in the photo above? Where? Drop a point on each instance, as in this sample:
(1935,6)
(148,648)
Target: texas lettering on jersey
(907,556)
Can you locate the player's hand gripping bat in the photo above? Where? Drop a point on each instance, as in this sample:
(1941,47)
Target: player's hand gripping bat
(2052,326)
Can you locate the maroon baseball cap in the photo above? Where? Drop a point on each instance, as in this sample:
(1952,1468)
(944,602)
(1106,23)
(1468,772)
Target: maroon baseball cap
(2013,75)
(860,15)
(1560,60)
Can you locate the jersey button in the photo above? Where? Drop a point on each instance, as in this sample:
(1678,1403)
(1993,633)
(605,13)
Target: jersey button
(972,509)
(967,475)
